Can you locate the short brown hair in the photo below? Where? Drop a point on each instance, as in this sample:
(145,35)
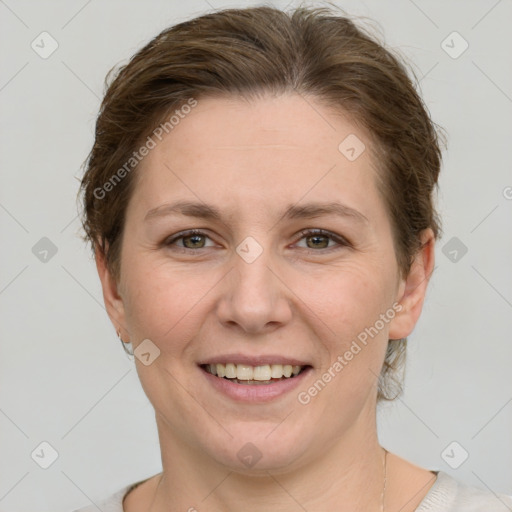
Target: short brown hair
(249,52)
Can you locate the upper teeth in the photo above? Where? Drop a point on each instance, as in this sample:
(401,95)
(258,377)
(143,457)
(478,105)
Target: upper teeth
(247,372)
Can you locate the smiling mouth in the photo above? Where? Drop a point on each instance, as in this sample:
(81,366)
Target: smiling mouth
(254,375)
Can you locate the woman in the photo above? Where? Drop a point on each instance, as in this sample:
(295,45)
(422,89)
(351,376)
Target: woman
(259,201)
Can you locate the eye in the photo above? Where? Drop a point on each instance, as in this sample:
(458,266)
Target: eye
(193,239)
(319,239)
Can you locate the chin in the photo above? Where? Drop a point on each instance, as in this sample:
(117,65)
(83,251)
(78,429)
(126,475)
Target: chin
(255,448)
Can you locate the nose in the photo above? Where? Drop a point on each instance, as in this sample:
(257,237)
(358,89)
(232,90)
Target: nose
(255,298)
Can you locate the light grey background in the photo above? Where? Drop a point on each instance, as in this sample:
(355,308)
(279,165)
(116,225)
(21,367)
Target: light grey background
(64,377)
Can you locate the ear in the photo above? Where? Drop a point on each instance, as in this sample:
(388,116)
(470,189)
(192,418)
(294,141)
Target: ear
(113,300)
(412,289)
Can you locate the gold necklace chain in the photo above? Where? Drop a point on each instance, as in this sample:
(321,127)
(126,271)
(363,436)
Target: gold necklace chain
(385,477)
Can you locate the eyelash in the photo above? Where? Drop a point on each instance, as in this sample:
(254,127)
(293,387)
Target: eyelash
(341,241)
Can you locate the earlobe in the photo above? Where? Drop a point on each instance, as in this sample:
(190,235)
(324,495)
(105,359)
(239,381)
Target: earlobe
(111,296)
(413,288)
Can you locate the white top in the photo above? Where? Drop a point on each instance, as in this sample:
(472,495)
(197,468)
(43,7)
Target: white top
(446,495)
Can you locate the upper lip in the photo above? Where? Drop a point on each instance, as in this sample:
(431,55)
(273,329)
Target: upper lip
(253,360)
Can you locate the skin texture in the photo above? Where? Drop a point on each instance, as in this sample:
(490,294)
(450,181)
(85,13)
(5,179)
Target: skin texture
(301,298)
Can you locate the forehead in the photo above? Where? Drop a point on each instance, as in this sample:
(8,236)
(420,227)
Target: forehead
(273,148)
(288,121)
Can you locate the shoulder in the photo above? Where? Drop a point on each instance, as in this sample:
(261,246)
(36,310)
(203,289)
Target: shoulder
(113,503)
(450,495)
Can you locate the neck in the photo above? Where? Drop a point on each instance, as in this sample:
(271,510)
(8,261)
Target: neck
(350,472)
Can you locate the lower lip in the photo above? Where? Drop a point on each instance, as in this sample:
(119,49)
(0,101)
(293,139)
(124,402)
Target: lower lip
(255,393)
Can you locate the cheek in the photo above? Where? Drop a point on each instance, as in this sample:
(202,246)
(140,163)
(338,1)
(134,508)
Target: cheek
(351,304)
(350,298)
(163,303)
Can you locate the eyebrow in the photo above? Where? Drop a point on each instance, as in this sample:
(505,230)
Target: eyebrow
(292,211)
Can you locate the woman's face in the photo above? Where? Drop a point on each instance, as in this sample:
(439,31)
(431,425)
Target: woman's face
(251,288)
